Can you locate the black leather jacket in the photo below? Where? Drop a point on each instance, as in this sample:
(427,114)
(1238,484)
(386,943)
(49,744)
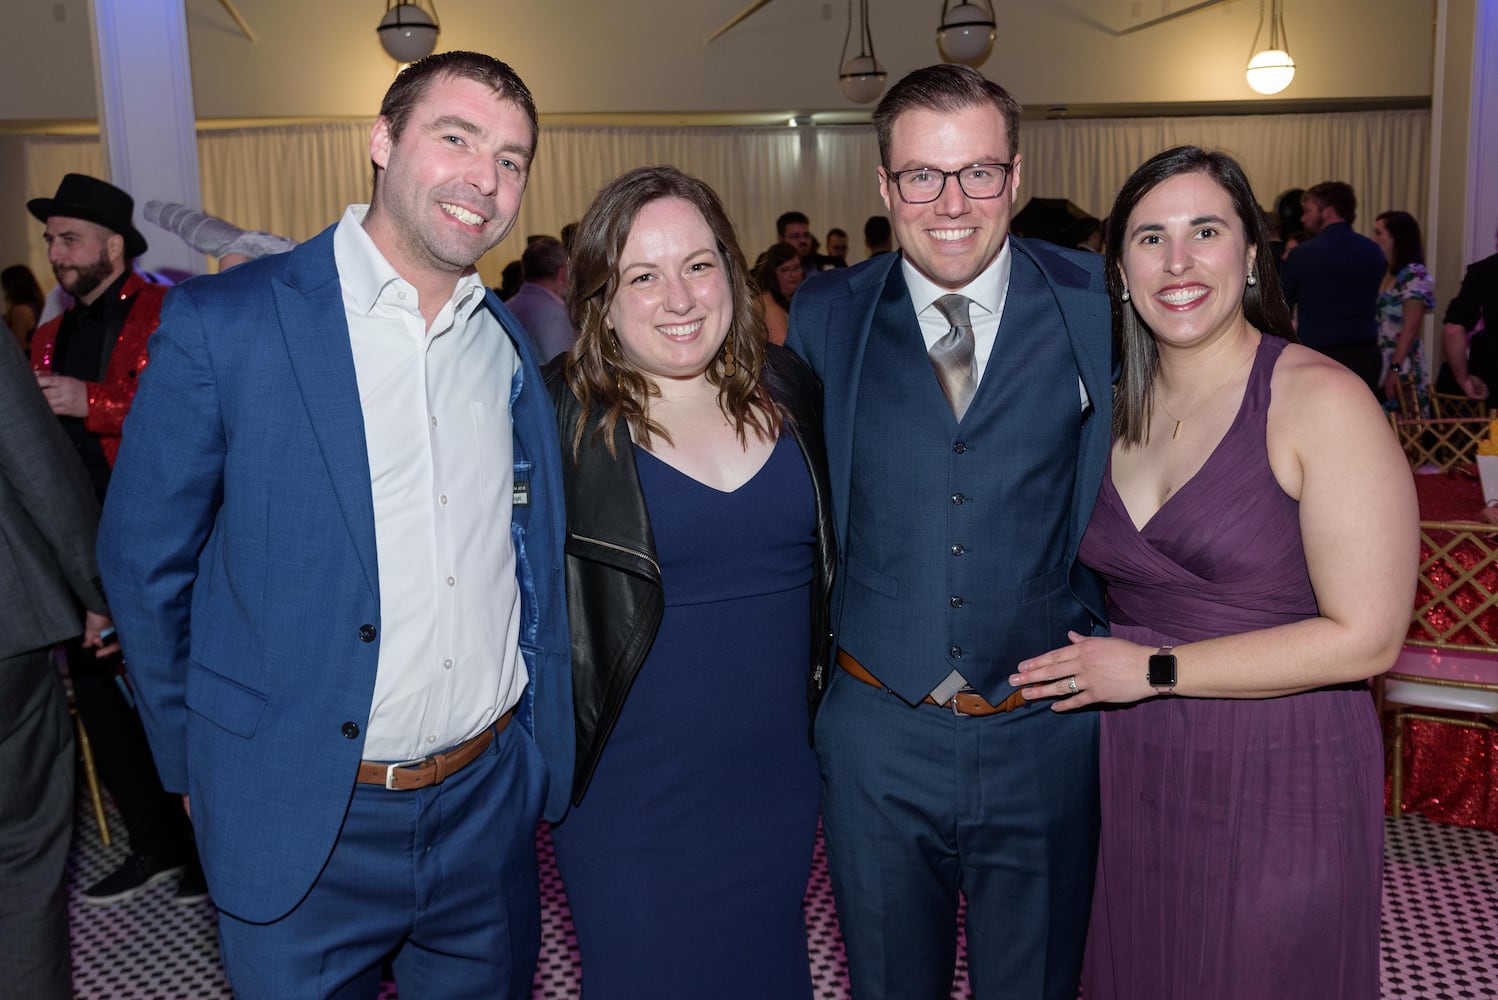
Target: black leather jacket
(614,596)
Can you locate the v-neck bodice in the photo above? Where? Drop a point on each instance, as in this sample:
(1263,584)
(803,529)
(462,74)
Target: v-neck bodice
(1223,554)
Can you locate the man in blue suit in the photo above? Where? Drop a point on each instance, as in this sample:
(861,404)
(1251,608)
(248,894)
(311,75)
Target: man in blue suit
(335,540)
(968,402)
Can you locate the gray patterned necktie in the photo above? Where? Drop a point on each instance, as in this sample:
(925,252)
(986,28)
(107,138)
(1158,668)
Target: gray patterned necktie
(952,355)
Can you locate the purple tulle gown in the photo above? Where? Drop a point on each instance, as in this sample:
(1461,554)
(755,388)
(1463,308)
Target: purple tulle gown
(1242,840)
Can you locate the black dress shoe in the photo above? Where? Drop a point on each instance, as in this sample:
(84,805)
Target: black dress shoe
(130,879)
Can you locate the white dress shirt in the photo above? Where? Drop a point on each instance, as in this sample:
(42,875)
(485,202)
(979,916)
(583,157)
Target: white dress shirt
(441,464)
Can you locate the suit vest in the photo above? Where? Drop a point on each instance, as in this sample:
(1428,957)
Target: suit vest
(957,547)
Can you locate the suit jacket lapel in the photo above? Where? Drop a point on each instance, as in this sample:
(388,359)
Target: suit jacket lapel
(309,304)
(1083,309)
(854,318)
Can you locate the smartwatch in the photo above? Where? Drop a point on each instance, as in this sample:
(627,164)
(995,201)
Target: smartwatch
(1162,671)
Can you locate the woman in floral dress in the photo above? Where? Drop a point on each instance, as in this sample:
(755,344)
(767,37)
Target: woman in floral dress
(1407,292)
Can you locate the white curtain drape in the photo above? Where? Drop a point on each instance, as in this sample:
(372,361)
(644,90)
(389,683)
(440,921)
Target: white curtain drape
(296,179)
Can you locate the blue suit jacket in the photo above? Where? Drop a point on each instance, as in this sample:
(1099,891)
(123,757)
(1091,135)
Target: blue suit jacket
(238,551)
(831,317)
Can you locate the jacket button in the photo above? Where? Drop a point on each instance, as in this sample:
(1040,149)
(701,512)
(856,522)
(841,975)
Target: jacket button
(367,633)
(959,499)
(958,550)
(350,731)
(956,652)
(956,602)
(960,448)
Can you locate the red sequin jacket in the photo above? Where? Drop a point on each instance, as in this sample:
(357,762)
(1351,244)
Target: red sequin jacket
(109,400)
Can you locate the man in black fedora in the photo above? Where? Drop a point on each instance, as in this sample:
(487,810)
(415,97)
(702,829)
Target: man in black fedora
(87,362)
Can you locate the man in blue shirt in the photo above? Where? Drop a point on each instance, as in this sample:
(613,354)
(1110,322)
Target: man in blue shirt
(1331,282)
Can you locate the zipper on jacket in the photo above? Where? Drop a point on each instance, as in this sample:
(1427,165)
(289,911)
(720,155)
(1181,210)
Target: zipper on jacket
(618,548)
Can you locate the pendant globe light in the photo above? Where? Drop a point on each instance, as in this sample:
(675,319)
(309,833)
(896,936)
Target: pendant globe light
(967,32)
(1271,69)
(408,33)
(862,77)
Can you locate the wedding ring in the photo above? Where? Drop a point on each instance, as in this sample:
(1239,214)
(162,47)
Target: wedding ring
(1071,684)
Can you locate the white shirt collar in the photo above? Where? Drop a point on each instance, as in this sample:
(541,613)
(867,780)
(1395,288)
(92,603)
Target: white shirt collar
(365,275)
(987,290)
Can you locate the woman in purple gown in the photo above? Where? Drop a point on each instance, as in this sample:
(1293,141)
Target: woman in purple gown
(1257,532)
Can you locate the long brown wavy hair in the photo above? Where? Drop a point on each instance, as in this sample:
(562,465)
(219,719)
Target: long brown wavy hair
(597,371)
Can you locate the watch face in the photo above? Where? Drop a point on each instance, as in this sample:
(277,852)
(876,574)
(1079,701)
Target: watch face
(1162,670)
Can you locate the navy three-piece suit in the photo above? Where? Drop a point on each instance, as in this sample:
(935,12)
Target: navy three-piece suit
(958,550)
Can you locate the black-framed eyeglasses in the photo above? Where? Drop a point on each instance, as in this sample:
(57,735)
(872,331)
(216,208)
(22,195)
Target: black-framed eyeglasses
(922,185)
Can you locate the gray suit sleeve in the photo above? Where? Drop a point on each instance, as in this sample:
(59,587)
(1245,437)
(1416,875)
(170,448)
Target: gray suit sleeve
(49,513)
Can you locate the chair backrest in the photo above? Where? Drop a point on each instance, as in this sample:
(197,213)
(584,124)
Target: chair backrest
(1408,397)
(1447,442)
(1456,601)
(1444,404)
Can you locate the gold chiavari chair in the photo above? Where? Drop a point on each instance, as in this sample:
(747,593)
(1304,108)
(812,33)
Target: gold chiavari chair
(1448,670)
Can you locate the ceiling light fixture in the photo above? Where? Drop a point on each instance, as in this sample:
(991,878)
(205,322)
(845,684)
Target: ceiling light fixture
(862,77)
(408,33)
(966,33)
(1271,69)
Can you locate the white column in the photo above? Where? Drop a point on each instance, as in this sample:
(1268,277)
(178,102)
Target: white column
(146,119)
(1482,137)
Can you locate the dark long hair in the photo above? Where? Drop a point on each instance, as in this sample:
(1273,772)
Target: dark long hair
(765,278)
(20,287)
(1263,302)
(1404,231)
(597,371)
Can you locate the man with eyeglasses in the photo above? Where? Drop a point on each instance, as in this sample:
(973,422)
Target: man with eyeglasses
(967,417)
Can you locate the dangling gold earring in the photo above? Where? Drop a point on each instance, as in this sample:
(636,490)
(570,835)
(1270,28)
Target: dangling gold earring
(729,368)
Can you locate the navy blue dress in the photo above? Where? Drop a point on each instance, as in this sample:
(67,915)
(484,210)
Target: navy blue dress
(686,863)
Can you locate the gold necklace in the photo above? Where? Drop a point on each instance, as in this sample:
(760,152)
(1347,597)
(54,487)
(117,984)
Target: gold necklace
(1206,399)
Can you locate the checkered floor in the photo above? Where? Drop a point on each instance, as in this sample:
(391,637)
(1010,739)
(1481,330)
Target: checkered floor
(1440,932)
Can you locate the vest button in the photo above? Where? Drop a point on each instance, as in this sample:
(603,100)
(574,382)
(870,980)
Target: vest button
(350,731)
(958,550)
(956,652)
(956,602)
(960,448)
(959,499)
(367,633)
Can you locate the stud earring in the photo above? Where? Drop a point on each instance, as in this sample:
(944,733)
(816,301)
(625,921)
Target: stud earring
(1125,295)
(1252,281)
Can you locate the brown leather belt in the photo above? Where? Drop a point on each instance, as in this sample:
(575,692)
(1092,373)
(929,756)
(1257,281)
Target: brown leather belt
(962,703)
(405,775)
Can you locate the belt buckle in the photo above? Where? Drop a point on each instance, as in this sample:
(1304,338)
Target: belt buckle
(390,770)
(966,688)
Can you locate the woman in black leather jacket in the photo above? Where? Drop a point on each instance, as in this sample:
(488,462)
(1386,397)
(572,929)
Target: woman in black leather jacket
(699,562)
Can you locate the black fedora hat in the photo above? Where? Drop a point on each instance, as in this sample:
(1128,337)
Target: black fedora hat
(80,196)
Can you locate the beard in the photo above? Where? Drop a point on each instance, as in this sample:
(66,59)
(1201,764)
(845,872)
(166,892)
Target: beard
(80,280)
